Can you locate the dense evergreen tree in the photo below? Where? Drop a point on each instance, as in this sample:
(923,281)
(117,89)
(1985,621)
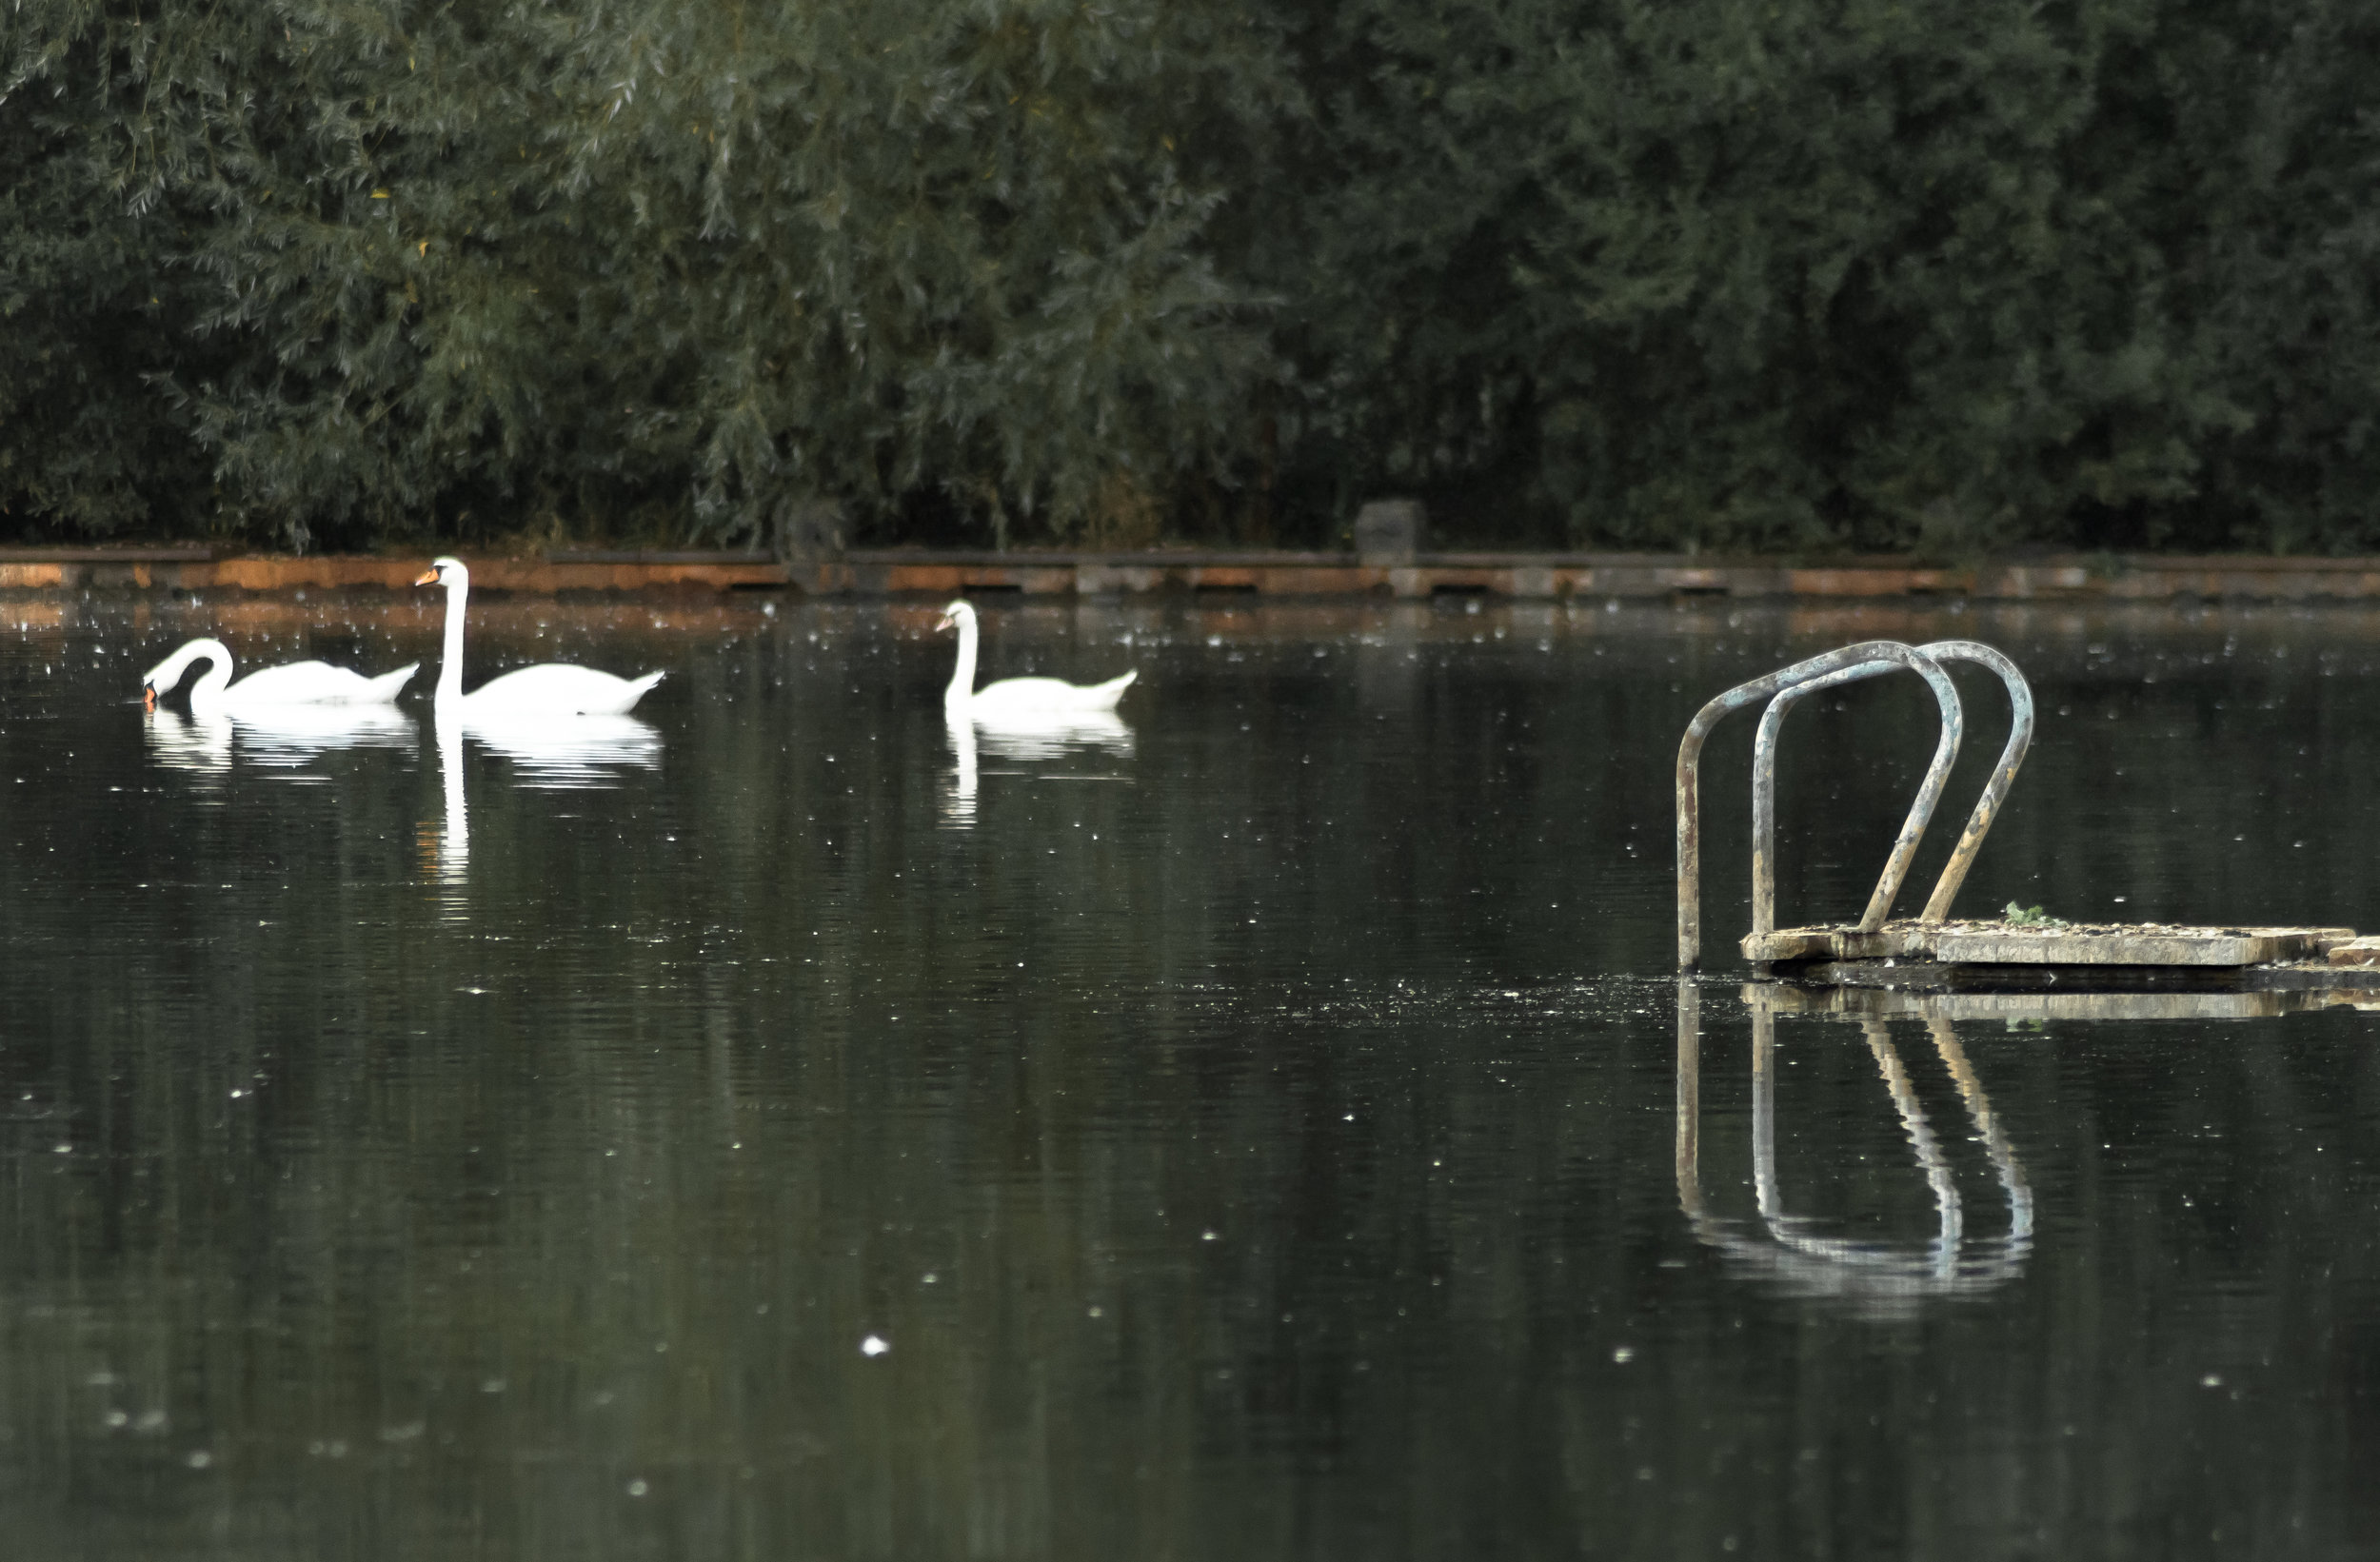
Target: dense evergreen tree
(1806,274)
(89,307)
(713,260)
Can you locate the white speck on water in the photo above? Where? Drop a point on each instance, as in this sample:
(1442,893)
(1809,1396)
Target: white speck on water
(931,1276)
(115,1418)
(1623,1355)
(637,1488)
(1095,1312)
(2211,1381)
(875,1345)
(1208,1236)
(199,1460)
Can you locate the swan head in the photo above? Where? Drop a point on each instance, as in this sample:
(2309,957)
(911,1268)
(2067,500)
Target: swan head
(447,572)
(168,672)
(956,614)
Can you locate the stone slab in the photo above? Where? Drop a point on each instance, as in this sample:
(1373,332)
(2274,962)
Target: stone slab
(1893,1003)
(2077,944)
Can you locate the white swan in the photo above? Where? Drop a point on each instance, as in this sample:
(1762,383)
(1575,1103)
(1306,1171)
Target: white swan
(299,683)
(553,689)
(1016,696)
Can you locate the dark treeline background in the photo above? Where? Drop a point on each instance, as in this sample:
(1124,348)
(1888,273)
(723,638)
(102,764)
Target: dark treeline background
(1788,275)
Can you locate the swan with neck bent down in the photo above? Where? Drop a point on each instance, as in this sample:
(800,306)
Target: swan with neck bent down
(1012,699)
(298,684)
(554,689)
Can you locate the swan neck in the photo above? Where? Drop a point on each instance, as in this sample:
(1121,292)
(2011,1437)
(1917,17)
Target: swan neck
(212,684)
(451,666)
(963,676)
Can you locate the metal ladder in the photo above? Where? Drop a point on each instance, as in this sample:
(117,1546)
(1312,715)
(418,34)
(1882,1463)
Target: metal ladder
(1787,687)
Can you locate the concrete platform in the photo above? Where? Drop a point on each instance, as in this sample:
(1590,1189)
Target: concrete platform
(2081,961)
(1894,1003)
(1997,942)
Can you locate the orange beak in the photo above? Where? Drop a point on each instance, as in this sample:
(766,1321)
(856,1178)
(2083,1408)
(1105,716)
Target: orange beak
(428,577)
(148,697)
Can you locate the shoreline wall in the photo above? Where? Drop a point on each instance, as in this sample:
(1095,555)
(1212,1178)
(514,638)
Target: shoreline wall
(1523,576)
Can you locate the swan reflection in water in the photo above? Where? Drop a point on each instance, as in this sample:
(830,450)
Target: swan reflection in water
(1876,1276)
(281,739)
(567,753)
(549,754)
(1024,736)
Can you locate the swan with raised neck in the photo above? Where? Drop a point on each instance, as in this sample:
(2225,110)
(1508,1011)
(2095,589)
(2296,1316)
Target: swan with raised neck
(552,688)
(1014,697)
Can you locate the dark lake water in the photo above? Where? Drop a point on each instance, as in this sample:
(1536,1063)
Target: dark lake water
(767,1132)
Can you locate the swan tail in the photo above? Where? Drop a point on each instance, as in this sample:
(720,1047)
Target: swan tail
(385,688)
(639,687)
(1104,695)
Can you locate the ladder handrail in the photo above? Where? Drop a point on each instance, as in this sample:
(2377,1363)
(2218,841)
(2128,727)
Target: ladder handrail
(1689,778)
(1978,822)
(2003,774)
(1888,884)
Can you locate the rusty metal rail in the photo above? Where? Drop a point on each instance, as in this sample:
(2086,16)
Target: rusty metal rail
(1851,660)
(1978,822)
(1929,797)
(2003,773)
(1787,687)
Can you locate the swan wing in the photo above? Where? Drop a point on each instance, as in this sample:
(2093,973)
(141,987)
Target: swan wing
(1018,694)
(299,684)
(558,689)
(385,688)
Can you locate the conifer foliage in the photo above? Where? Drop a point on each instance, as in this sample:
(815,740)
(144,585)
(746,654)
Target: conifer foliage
(1799,274)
